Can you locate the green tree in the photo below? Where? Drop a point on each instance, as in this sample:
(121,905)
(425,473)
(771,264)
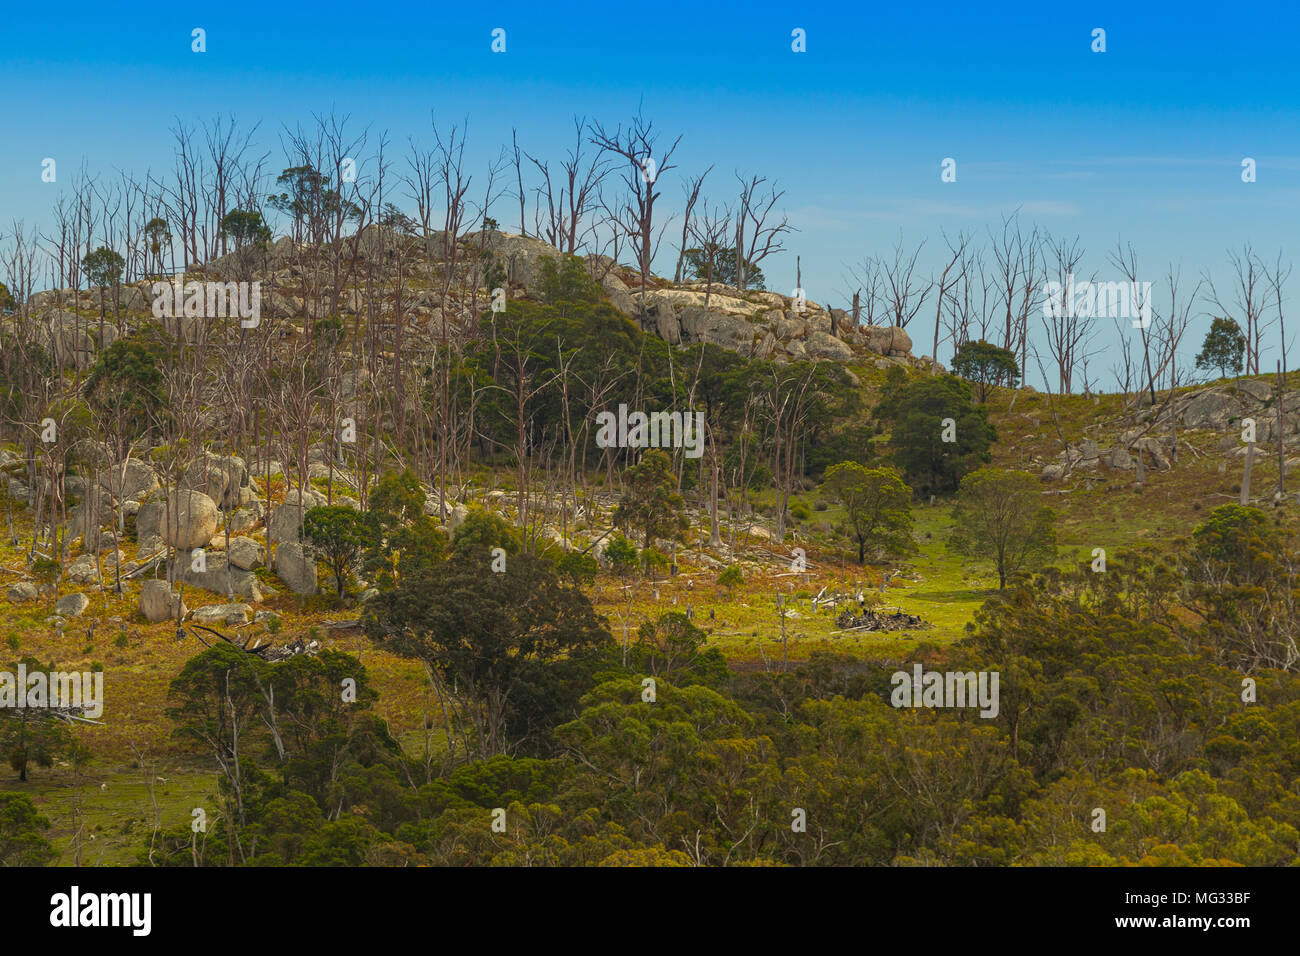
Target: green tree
(1000,514)
(339,534)
(159,236)
(566,279)
(31,736)
(7,302)
(723,260)
(877,506)
(1235,546)
(925,412)
(102,268)
(401,535)
(245,226)
(731,577)
(501,640)
(311,201)
(672,648)
(651,503)
(985,364)
(125,387)
(1241,580)
(621,554)
(480,532)
(1223,348)
(22,833)
(249,233)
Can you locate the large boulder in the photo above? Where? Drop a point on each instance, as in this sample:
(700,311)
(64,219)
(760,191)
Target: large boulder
(661,318)
(149,520)
(520,256)
(245,553)
(245,519)
(455,518)
(231,614)
(72,605)
(22,591)
(716,328)
(159,601)
(286,519)
(295,568)
(93,512)
(218,575)
(619,294)
(823,345)
(190,520)
(131,479)
(887,339)
(68,338)
(223,478)
(84,570)
(1210,409)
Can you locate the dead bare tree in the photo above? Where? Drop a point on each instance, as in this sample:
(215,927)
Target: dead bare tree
(568,204)
(904,291)
(1017,279)
(756,239)
(692,193)
(1069,329)
(951,278)
(867,277)
(1248,298)
(710,228)
(633,213)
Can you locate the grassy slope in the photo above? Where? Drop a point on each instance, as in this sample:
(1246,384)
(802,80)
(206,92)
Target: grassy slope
(1102,509)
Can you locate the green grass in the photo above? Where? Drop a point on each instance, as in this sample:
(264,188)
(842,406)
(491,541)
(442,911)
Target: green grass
(116,815)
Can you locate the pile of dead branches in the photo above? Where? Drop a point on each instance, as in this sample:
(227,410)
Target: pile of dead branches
(871,620)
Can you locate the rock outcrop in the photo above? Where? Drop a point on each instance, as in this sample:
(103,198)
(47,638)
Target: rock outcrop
(159,601)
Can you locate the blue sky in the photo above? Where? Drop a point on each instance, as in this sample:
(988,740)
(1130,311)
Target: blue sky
(1142,143)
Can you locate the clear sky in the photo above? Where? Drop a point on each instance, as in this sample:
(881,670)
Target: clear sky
(1142,143)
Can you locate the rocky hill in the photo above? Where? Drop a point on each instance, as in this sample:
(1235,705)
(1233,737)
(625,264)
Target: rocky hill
(298,279)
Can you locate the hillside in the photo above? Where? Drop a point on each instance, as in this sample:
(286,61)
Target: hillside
(173,505)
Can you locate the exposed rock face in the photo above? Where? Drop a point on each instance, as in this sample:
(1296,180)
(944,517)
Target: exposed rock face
(22,591)
(716,328)
(823,345)
(520,256)
(618,293)
(295,568)
(245,553)
(888,339)
(1211,408)
(149,520)
(159,601)
(762,324)
(286,519)
(84,570)
(224,479)
(190,520)
(231,614)
(214,577)
(130,480)
(72,605)
(68,338)
(455,518)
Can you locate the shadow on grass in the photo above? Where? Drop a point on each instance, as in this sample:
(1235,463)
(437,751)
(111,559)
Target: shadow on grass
(970,596)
